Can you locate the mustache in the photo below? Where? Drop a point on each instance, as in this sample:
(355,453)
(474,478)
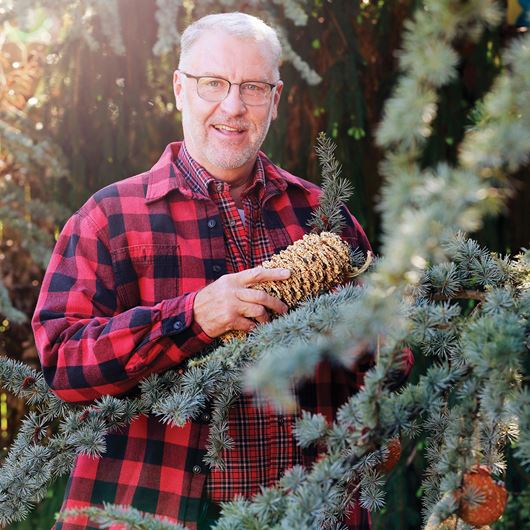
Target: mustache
(230,122)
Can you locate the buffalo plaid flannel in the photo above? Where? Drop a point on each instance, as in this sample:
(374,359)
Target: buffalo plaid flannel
(116,304)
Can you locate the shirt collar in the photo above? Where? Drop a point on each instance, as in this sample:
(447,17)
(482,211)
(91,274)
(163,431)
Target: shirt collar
(202,182)
(166,176)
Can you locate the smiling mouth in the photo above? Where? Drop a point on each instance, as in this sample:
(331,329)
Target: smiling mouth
(227,128)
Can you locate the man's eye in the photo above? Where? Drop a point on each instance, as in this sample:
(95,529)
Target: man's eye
(213,83)
(252,87)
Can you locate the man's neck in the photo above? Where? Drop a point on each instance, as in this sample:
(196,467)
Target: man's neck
(237,191)
(237,178)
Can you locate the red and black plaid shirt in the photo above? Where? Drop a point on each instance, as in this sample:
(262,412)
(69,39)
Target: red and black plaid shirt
(117,304)
(264,446)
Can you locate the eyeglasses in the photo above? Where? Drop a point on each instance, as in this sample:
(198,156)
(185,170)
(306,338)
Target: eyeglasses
(216,89)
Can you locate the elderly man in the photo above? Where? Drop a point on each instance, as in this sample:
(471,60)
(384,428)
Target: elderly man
(153,268)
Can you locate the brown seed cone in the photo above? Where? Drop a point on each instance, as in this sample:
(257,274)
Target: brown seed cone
(494,498)
(394,454)
(318,263)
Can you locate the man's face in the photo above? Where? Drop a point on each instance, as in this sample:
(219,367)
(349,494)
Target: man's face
(226,135)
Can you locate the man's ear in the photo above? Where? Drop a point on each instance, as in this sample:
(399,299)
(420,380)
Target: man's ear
(177,88)
(276,99)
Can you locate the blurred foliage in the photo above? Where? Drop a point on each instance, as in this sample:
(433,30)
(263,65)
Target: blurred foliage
(86,99)
(43,516)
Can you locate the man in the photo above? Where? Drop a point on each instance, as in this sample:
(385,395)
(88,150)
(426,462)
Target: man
(154,268)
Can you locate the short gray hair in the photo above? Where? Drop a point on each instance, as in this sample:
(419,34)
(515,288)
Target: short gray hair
(236,24)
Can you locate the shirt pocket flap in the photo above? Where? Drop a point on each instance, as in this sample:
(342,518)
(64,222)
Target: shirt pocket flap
(146,274)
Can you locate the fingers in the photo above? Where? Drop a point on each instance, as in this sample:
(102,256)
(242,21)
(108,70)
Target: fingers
(253,311)
(260,274)
(243,324)
(227,303)
(262,299)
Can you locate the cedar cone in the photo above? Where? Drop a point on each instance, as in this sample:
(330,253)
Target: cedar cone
(393,456)
(493,493)
(318,263)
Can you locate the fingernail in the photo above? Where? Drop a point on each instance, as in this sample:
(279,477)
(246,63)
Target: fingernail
(286,272)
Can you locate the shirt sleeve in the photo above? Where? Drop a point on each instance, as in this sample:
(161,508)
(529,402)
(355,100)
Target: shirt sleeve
(88,345)
(354,234)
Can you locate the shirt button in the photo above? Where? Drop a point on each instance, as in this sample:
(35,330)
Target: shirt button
(196,470)
(177,325)
(232,222)
(281,420)
(216,268)
(219,186)
(211,223)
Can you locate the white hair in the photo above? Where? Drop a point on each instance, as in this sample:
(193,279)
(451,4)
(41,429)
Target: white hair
(235,24)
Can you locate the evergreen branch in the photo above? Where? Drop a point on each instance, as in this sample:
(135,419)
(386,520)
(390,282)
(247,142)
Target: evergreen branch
(329,216)
(7,309)
(32,465)
(294,11)
(465,294)
(23,381)
(290,55)
(520,409)
(168,36)
(32,149)
(29,469)
(310,429)
(110,514)
(428,62)
(362,407)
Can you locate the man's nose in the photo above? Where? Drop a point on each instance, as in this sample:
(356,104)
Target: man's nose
(233,103)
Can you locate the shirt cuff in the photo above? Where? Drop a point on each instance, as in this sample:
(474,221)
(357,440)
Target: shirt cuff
(179,325)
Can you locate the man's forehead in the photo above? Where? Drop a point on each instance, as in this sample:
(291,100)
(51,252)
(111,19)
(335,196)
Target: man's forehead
(212,50)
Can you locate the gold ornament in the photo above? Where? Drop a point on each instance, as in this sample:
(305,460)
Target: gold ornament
(493,495)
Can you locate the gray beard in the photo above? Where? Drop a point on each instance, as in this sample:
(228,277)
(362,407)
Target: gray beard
(231,160)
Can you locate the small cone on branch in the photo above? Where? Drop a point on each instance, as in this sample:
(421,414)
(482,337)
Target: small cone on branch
(318,263)
(393,456)
(492,493)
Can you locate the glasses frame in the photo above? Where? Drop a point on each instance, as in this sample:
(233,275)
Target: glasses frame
(198,77)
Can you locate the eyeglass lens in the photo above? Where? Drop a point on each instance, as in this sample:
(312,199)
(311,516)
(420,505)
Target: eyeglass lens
(215,89)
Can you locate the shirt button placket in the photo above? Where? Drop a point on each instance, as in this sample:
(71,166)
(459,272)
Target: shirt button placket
(281,427)
(212,223)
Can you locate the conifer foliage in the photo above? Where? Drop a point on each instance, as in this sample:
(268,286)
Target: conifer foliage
(434,290)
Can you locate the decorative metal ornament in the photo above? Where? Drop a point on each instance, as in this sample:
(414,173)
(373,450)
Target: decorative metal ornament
(518,13)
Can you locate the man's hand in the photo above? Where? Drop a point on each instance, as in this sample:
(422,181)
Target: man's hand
(229,304)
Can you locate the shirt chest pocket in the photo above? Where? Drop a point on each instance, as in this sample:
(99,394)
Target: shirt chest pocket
(146,274)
